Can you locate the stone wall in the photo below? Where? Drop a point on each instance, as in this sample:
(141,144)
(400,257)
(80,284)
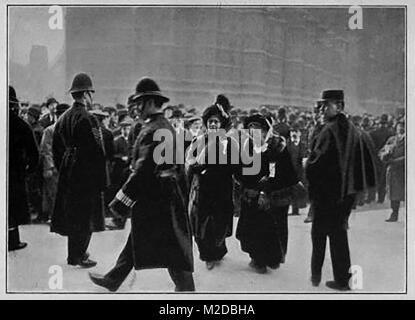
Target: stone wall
(274,56)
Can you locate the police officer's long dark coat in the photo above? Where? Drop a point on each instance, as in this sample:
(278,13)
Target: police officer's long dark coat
(23,158)
(160,228)
(79,157)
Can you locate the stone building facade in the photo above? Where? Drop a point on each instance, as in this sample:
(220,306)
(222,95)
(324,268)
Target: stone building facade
(254,55)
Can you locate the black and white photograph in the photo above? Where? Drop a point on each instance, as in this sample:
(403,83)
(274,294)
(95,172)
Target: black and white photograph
(207,148)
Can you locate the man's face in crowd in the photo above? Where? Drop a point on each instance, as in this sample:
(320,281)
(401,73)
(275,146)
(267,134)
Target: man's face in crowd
(295,137)
(106,121)
(400,129)
(52,107)
(195,127)
(256,127)
(330,109)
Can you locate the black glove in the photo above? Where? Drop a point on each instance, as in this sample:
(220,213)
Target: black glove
(118,209)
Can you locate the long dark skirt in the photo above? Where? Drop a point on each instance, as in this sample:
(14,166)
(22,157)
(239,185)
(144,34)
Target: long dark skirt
(257,232)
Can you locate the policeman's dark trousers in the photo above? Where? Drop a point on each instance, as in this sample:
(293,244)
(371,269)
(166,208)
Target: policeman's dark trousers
(331,222)
(183,280)
(77,247)
(281,220)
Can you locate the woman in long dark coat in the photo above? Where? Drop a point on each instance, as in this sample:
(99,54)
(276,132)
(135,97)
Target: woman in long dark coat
(212,212)
(393,154)
(263,225)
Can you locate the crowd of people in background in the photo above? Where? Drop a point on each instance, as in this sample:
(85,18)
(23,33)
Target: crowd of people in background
(121,125)
(297,133)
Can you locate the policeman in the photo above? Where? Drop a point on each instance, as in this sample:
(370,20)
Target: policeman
(78,152)
(23,159)
(337,170)
(160,230)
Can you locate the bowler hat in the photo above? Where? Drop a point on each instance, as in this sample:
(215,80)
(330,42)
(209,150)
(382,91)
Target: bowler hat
(193,119)
(50,101)
(81,82)
(147,87)
(258,119)
(109,109)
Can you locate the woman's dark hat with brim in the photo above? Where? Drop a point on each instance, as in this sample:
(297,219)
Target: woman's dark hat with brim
(147,87)
(258,119)
(212,111)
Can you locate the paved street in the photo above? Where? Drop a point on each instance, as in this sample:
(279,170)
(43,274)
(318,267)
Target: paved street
(376,246)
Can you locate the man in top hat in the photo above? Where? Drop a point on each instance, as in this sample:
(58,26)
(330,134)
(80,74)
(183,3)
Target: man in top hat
(154,195)
(379,137)
(23,159)
(50,117)
(339,167)
(50,172)
(120,167)
(78,152)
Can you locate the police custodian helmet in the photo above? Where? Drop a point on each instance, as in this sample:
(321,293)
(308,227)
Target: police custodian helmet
(81,82)
(147,87)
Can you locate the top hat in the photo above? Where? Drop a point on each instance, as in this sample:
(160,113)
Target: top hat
(147,87)
(336,95)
